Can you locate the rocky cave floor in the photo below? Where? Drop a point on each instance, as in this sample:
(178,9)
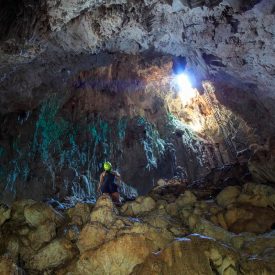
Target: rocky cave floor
(176,229)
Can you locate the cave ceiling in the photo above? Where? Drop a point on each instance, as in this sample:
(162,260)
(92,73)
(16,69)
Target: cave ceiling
(45,44)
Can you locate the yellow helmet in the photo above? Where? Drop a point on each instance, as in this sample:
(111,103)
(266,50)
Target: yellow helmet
(107,166)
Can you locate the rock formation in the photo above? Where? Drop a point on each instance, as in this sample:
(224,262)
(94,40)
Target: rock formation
(175,233)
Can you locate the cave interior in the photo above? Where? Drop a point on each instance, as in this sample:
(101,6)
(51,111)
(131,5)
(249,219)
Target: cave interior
(178,96)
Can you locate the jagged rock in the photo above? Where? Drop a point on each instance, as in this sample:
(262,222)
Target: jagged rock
(17,209)
(169,190)
(258,244)
(172,209)
(238,240)
(118,256)
(91,236)
(51,256)
(104,211)
(72,233)
(41,235)
(264,263)
(39,213)
(160,237)
(254,266)
(228,195)
(186,199)
(247,218)
(207,228)
(5,214)
(258,195)
(79,214)
(11,244)
(158,218)
(140,206)
(221,221)
(7,266)
(191,255)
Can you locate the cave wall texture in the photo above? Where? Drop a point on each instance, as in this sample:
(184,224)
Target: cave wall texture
(84,81)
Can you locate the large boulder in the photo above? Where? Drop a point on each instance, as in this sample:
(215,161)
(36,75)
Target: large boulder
(248,218)
(258,195)
(228,195)
(258,244)
(172,209)
(207,228)
(160,237)
(92,235)
(18,208)
(41,235)
(42,221)
(104,211)
(141,205)
(191,255)
(188,198)
(51,256)
(79,214)
(40,213)
(11,245)
(7,266)
(159,218)
(118,256)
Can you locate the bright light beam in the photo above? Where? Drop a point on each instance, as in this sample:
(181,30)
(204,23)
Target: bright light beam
(186,91)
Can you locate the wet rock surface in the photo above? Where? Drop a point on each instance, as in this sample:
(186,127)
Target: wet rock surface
(178,233)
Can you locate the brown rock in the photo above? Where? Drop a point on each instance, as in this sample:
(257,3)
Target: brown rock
(228,195)
(42,235)
(80,214)
(8,267)
(118,256)
(5,214)
(258,195)
(51,256)
(72,233)
(158,218)
(172,209)
(17,209)
(186,199)
(207,228)
(160,237)
(91,236)
(140,206)
(190,255)
(222,221)
(252,219)
(104,211)
(39,213)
